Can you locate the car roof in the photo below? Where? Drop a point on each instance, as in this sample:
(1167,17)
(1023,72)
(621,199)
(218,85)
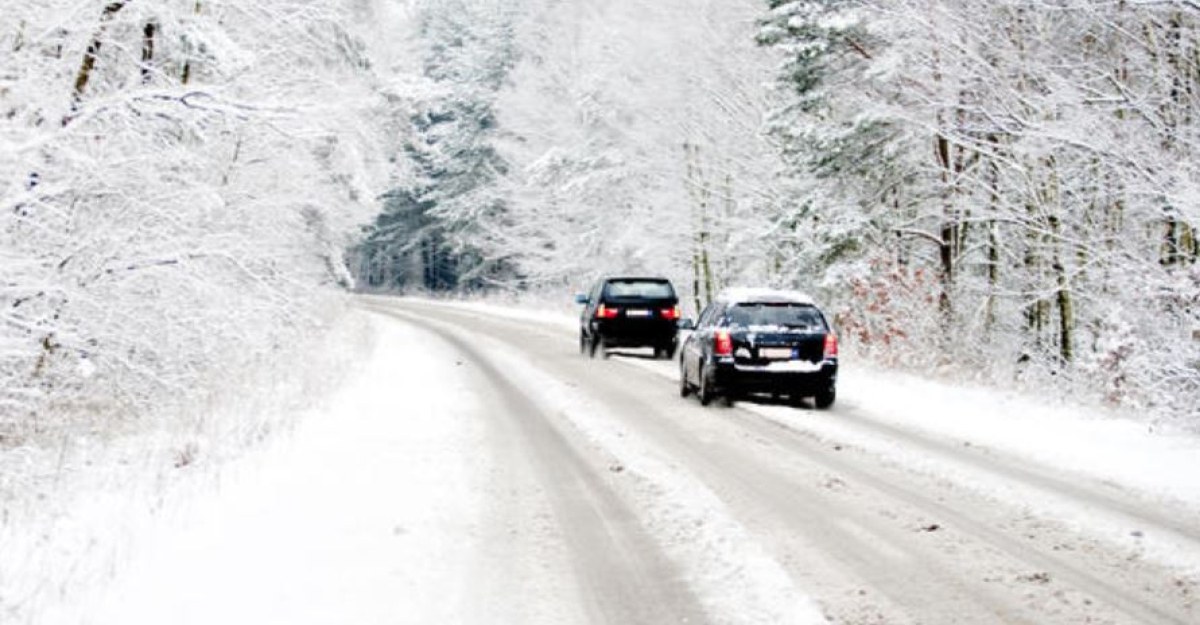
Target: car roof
(636,279)
(746,295)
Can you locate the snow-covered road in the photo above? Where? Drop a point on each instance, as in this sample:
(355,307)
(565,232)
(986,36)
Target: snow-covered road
(919,528)
(481,471)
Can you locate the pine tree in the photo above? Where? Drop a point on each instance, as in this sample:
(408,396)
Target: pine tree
(433,231)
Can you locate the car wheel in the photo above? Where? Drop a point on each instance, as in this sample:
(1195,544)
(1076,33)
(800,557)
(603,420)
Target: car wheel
(603,347)
(593,345)
(583,343)
(685,389)
(705,392)
(825,398)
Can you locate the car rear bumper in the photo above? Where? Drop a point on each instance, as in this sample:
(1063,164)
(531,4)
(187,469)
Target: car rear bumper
(733,378)
(641,333)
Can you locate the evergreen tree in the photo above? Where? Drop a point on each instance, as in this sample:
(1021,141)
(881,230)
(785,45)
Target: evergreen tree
(432,232)
(840,151)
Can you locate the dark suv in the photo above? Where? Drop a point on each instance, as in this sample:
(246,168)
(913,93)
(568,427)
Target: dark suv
(629,312)
(761,341)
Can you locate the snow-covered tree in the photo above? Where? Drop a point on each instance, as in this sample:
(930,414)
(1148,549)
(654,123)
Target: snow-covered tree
(633,129)
(1020,172)
(434,229)
(177,182)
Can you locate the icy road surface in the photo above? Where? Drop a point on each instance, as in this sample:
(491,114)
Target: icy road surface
(483,471)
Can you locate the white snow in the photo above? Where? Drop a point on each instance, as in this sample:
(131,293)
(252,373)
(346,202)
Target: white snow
(1076,439)
(1072,441)
(372,510)
(368,513)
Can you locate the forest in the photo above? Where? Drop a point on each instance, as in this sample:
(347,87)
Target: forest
(1001,192)
(998,191)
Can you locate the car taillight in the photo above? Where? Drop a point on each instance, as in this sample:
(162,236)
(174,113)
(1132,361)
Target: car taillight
(671,313)
(604,312)
(722,343)
(831,346)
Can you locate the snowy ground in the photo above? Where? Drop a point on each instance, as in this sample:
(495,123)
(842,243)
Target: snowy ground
(455,479)
(373,498)
(74,514)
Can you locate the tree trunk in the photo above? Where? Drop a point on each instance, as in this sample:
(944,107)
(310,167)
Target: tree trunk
(701,265)
(1066,312)
(1036,313)
(1188,241)
(949,233)
(993,275)
(19,40)
(88,65)
(148,34)
(1170,246)
(1066,318)
(186,76)
(993,238)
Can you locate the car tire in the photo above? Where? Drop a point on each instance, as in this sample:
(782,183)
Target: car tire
(704,391)
(825,398)
(583,343)
(593,345)
(685,389)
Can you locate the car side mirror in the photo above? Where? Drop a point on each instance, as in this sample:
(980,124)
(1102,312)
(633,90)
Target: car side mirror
(580,298)
(686,324)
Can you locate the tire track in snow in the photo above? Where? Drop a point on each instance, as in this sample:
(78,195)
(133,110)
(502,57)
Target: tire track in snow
(1179,527)
(622,575)
(732,577)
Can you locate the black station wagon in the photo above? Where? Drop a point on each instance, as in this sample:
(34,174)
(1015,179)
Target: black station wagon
(761,341)
(629,312)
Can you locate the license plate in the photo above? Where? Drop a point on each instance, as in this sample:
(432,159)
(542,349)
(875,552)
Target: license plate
(776,353)
(637,312)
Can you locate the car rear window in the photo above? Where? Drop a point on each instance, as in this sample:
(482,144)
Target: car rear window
(644,289)
(800,316)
